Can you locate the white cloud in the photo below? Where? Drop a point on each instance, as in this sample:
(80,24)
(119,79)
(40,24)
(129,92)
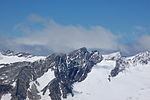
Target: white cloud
(45,34)
(140,28)
(35,18)
(60,38)
(144,42)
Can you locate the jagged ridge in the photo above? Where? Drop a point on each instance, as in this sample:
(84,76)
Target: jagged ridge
(68,69)
(123,63)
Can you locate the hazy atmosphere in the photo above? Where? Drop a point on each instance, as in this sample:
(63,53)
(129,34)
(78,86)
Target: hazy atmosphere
(57,26)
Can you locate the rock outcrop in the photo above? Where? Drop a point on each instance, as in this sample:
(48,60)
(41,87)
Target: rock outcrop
(142,58)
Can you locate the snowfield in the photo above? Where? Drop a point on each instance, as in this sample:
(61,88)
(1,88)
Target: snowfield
(132,84)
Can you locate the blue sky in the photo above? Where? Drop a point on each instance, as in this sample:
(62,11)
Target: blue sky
(127,20)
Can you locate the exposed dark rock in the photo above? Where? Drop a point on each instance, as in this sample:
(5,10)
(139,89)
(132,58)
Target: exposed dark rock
(54,90)
(33,93)
(22,83)
(142,58)
(10,72)
(121,64)
(4,89)
(71,68)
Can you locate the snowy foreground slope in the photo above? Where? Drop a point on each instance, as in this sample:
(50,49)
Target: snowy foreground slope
(113,78)
(132,84)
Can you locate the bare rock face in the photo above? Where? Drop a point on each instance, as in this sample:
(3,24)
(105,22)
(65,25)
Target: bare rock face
(33,93)
(142,58)
(121,64)
(68,69)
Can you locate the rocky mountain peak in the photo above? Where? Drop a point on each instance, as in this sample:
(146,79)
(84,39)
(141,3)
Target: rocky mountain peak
(113,56)
(8,53)
(121,64)
(19,54)
(141,58)
(68,69)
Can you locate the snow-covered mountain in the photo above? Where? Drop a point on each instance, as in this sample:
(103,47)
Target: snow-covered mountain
(79,75)
(123,79)
(9,56)
(112,56)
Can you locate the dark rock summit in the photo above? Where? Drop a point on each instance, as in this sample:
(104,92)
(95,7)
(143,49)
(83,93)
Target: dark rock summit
(121,64)
(68,69)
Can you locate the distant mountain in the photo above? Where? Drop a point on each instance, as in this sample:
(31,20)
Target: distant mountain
(78,75)
(19,54)
(7,57)
(140,59)
(113,56)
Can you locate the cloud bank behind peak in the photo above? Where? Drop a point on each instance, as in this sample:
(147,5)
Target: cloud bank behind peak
(65,37)
(44,35)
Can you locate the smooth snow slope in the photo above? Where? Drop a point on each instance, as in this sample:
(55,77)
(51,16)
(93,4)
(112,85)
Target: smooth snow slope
(132,84)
